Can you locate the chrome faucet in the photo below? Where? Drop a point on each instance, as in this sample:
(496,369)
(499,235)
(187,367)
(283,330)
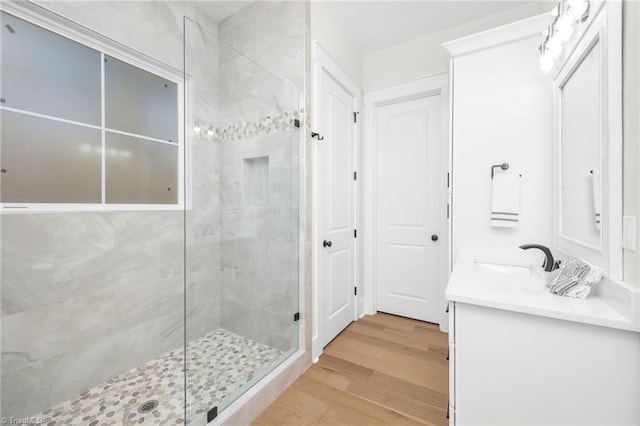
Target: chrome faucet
(549,264)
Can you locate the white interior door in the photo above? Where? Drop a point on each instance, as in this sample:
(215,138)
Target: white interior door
(336,209)
(409,207)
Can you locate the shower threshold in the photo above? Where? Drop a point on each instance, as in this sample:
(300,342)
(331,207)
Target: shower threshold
(219,364)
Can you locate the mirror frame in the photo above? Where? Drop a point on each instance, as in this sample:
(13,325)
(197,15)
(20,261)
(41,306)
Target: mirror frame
(604,26)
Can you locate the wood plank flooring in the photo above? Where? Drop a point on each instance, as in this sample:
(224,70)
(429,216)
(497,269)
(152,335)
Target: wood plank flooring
(381,370)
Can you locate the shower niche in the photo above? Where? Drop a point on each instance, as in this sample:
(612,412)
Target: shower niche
(255,179)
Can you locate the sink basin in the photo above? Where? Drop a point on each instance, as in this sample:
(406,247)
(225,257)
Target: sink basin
(504,269)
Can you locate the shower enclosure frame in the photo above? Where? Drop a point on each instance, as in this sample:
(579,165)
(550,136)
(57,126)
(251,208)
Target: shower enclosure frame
(266,389)
(59,24)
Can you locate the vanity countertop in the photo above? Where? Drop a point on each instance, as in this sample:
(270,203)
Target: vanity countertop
(529,295)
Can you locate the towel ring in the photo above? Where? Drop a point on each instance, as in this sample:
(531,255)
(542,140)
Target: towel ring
(503,166)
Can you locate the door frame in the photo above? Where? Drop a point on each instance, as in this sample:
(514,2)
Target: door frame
(323,62)
(435,84)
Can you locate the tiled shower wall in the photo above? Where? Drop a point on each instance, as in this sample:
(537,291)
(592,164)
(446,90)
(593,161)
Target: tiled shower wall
(89,295)
(259,261)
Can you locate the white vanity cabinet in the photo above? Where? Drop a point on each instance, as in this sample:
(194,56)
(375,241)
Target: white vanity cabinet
(512,368)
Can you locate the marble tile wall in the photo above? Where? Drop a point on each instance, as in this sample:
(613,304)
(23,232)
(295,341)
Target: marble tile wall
(85,296)
(271,33)
(88,295)
(259,259)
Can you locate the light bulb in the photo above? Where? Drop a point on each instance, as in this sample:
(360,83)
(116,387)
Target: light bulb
(578,8)
(546,62)
(555,51)
(564,33)
(564,23)
(210,132)
(573,13)
(197,129)
(554,44)
(577,3)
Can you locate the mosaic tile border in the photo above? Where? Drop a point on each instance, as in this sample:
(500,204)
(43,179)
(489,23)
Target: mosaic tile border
(265,126)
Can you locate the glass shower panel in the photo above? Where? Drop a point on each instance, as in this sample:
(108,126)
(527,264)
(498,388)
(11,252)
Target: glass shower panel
(241,223)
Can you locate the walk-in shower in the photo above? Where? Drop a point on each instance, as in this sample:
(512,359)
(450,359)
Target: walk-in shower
(149,239)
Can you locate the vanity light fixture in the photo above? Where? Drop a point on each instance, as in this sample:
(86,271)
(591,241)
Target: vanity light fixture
(567,14)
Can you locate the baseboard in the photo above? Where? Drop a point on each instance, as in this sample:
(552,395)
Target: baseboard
(249,406)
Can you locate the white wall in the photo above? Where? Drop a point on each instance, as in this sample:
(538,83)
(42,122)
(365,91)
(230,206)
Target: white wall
(335,40)
(631,128)
(502,106)
(425,56)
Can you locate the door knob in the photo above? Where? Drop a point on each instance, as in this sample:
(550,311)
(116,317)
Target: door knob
(434,237)
(326,243)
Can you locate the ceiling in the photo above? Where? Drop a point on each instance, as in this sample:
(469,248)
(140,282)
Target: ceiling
(375,25)
(216,10)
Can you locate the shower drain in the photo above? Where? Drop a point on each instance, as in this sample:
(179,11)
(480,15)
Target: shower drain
(148,406)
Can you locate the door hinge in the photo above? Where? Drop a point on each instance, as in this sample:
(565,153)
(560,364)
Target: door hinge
(296,316)
(355,175)
(448,184)
(447,211)
(355,233)
(355,291)
(355,117)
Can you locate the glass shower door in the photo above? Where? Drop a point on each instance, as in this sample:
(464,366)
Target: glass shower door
(241,222)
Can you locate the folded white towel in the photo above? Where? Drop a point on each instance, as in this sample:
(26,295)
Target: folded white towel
(505,201)
(574,278)
(597,197)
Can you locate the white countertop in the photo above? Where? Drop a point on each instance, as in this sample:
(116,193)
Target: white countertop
(527,295)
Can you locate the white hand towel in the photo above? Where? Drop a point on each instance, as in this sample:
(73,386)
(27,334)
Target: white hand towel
(597,197)
(505,201)
(575,278)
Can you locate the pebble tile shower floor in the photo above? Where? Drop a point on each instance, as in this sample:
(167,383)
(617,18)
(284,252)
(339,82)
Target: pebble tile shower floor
(219,364)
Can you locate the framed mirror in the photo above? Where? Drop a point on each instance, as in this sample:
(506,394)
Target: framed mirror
(588,142)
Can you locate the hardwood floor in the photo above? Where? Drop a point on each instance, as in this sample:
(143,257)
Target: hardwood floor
(381,370)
